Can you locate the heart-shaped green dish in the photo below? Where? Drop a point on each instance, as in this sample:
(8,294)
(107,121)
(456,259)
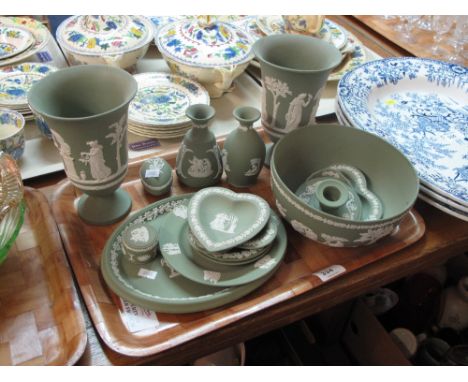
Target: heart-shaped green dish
(221,219)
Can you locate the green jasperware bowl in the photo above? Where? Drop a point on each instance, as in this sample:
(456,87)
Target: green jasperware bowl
(390,176)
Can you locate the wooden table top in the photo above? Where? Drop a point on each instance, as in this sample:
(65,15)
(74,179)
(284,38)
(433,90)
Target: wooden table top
(445,237)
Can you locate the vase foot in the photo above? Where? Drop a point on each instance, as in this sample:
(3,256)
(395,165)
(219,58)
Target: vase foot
(104,210)
(269,151)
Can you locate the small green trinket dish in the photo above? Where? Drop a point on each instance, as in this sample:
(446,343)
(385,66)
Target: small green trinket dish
(156,176)
(139,243)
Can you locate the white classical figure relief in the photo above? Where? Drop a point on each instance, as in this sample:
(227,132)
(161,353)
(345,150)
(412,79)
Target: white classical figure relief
(303,230)
(172,271)
(180,211)
(277,89)
(156,164)
(140,234)
(65,152)
(294,115)
(254,168)
(211,276)
(199,168)
(172,249)
(372,235)
(95,160)
(224,157)
(117,137)
(333,241)
(224,223)
(265,262)
(315,105)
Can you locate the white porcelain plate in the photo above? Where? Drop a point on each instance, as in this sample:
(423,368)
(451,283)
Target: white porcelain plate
(162,99)
(13,41)
(421,107)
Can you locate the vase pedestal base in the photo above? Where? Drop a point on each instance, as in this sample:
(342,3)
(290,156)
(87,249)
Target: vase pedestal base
(104,210)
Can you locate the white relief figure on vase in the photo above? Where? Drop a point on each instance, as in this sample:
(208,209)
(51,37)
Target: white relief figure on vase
(254,168)
(95,159)
(117,138)
(277,89)
(315,105)
(199,168)
(224,157)
(140,234)
(294,115)
(65,152)
(224,223)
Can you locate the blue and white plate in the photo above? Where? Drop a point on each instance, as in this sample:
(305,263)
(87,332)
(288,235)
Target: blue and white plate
(421,107)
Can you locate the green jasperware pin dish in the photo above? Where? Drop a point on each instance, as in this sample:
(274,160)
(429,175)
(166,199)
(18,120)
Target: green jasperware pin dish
(176,250)
(156,285)
(222,219)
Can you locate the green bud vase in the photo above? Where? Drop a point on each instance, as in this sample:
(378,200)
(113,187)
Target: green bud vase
(86,109)
(244,151)
(198,163)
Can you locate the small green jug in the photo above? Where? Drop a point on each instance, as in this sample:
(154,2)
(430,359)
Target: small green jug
(244,151)
(198,162)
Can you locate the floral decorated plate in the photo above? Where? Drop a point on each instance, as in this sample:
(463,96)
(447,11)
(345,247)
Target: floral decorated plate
(205,45)
(174,233)
(156,285)
(109,35)
(40,33)
(353,60)
(16,80)
(249,26)
(14,40)
(162,99)
(420,107)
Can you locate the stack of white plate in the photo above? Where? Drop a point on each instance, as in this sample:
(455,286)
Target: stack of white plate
(158,109)
(21,38)
(15,82)
(420,106)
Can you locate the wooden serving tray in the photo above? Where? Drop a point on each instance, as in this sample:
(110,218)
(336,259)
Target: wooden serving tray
(40,318)
(306,264)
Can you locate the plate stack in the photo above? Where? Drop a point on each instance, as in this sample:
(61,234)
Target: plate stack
(21,38)
(222,238)
(419,106)
(15,82)
(158,109)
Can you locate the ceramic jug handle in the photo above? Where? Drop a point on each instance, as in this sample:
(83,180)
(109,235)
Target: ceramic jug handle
(113,60)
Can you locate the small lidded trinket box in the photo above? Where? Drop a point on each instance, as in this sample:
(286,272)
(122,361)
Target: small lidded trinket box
(156,176)
(139,243)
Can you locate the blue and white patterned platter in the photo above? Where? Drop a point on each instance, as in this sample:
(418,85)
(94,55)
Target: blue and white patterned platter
(162,99)
(421,107)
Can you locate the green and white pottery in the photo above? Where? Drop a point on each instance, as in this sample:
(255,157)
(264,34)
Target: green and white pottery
(139,243)
(222,219)
(156,176)
(86,108)
(244,151)
(156,285)
(266,235)
(389,175)
(174,233)
(198,162)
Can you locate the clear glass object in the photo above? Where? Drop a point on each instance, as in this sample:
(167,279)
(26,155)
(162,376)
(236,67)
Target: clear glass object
(441,26)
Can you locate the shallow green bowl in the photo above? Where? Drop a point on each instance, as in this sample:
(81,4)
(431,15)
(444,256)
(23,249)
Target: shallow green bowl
(389,174)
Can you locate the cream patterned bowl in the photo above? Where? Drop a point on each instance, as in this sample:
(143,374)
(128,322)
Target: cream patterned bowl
(389,174)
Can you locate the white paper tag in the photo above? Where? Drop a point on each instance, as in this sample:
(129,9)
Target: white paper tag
(147,273)
(152,173)
(136,318)
(330,272)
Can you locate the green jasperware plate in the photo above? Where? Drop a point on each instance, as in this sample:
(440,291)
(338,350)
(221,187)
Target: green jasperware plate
(159,287)
(176,250)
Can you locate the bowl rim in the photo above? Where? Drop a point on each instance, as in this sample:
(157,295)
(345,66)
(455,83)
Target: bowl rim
(354,223)
(17,115)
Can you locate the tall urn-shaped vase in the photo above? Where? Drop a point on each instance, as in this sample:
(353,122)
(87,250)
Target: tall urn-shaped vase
(294,70)
(86,108)
(198,162)
(244,151)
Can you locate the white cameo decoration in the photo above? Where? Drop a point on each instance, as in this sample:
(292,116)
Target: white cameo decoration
(143,258)
(277,89)
(303,230)
(95,160)
(224,157)
(65,153)
(140,234)
(254,168)
(172,249)
(180,211)
(156,164)
(372,235)
(172,271)
(333,241)
(224,223)
(294,114)
(199,168)
(265,262)
(118,136)
(211,276)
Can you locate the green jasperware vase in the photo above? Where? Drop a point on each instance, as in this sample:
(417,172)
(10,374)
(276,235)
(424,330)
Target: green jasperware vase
(244,151)
(86,108)
(198,162)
